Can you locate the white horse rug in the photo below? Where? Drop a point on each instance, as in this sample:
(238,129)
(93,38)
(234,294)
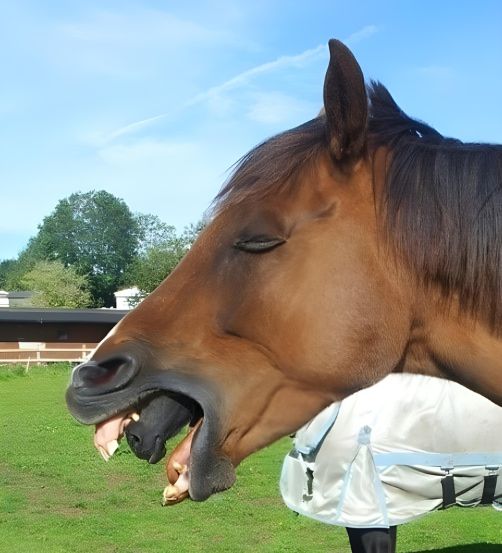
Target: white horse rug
(398,450)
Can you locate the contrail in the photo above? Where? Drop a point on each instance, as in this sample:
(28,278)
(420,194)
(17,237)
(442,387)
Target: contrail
(363,33)
(133,127)
(243,78)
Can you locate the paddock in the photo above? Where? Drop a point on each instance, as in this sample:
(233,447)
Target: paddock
(57,494)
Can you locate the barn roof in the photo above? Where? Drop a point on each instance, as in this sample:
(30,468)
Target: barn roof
(39,315)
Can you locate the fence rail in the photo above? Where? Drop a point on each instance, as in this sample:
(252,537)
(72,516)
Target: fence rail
(38,355)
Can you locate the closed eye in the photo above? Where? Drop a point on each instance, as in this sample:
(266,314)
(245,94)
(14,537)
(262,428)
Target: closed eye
(258,244)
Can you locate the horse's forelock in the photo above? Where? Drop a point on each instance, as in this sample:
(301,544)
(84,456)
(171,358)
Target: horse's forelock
(270,167)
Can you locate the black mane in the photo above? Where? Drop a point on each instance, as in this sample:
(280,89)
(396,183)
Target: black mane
(442,198)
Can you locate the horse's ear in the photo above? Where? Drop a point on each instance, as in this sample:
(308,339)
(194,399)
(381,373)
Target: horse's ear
(345,104)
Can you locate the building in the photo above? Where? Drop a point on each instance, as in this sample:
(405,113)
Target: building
(16,299)
(45,335)
(29,334)
(127,298)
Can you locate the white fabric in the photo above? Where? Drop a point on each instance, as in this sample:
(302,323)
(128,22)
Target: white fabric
(350,480)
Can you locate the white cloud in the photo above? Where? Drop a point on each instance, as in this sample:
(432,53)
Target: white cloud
(245,77)
(276,108)
(128,44)
(146,151)
(361,34)
(140,28)
(215,95)
(127,129)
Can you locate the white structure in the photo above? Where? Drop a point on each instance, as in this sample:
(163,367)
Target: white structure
(125,298)
(4,299)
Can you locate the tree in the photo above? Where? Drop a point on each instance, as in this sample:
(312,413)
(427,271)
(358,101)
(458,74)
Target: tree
(160,257)
(7,268)
(152,232)
(12,271)
(96,234)
(57,286)
(192,231)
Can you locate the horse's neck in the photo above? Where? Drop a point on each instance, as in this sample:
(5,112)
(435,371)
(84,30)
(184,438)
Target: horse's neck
(459,349)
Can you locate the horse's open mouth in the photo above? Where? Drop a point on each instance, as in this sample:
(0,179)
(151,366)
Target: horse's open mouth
(109,432)
(194,468)
(197,466)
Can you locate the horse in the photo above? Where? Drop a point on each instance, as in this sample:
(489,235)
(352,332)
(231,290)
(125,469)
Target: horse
(358,244)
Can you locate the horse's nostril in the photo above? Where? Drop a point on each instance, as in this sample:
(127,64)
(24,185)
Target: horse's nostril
(133,439)
(91,374)
(111,373)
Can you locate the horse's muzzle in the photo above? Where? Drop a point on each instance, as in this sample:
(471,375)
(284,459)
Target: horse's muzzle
(108,387)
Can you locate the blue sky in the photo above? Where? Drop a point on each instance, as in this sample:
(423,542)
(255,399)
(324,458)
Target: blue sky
(154,101)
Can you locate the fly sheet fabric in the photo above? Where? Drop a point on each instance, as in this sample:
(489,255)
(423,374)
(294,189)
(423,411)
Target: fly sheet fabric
(393,452)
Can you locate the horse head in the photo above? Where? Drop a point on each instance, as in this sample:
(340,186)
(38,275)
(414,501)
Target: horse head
(289,299)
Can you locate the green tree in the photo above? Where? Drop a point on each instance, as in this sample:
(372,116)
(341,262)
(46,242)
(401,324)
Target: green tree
(12,271)
(192,231)
(152,232)
(7,267)
(96,234)
(57,286)
(159,257)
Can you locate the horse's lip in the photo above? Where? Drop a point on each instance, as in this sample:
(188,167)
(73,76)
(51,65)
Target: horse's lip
(93,407)
(159,452)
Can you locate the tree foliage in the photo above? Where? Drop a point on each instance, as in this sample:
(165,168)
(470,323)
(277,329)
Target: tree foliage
(152,232)
(7,268)
(12,271)
(96,234)
(159,256)
(57,286)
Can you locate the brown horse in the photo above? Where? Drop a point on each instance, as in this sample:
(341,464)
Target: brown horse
(360,243)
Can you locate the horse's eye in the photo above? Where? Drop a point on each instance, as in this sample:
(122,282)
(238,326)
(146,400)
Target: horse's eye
(257,244)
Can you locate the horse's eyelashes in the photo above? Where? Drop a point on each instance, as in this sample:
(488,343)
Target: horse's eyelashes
(258,244)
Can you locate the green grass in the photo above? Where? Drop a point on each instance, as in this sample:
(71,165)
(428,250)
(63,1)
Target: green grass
(57,495)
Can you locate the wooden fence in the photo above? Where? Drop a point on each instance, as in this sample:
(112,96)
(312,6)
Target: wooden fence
(41,352)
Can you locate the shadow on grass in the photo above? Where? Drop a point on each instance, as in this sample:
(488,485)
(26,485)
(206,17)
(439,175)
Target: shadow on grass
(467,548)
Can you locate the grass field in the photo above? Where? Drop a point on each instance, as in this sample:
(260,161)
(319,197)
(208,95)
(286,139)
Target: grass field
(57,495)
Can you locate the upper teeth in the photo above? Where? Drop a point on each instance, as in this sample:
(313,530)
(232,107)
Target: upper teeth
(109,449)
(115,427)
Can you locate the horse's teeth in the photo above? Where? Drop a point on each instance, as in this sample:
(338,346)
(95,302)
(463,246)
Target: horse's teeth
(170,494)
(111,448)
(179,468)
(135,417)
(104,453)
(171,491)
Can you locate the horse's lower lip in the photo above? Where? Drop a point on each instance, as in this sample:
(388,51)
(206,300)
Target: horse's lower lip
(180,469)
(159,451)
